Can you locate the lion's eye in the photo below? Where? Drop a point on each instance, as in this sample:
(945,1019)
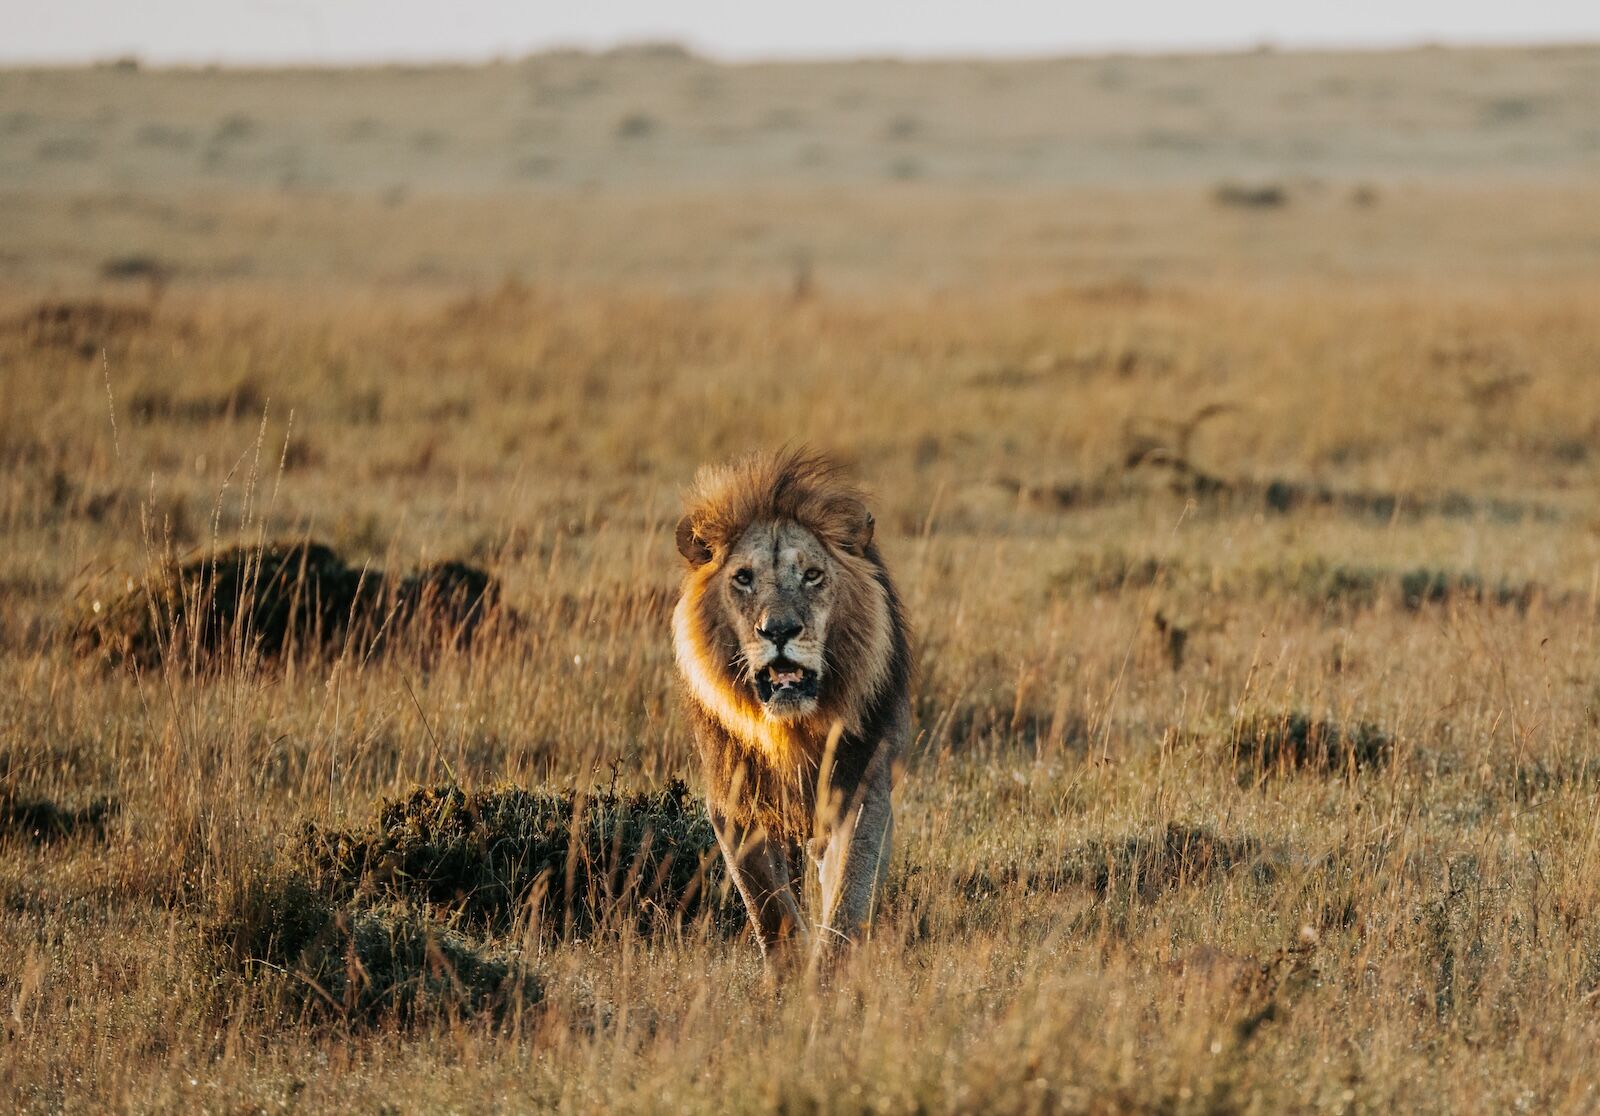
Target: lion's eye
(813,576)
(743,578)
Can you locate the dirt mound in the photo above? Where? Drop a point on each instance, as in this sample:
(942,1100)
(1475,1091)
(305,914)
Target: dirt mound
(313,958)
(580,864)
(408,917)
(280,599)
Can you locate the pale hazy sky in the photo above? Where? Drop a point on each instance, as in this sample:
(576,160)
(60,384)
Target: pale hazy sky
(375,30)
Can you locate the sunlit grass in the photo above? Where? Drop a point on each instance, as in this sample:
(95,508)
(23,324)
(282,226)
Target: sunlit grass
(1339,853)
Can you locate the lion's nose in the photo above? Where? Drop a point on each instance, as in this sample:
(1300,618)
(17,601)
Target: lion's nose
(779,632)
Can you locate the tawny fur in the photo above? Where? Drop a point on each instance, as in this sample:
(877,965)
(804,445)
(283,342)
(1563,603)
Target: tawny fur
(762,773)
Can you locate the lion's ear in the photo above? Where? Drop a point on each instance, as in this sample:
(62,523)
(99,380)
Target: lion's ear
(860,523)
(690,545)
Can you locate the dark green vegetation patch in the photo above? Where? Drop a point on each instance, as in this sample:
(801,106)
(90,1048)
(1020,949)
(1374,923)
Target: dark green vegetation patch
(398,920)
(283,598)
(313,958)
(87,328)
(577,863)
(1280,743)
(1421,587)
(1334,586)
(41,821)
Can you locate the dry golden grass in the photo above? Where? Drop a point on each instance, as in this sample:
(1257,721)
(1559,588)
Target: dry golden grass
(1128,877)
(1418,933)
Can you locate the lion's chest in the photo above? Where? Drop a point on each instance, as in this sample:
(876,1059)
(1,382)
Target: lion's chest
(770,775)
(781,744)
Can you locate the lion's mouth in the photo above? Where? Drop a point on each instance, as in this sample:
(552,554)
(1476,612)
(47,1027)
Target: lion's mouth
(782,681)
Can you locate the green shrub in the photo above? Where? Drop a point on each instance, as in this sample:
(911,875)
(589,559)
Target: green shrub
(598,861)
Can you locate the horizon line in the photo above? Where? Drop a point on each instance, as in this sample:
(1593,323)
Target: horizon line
(666,47)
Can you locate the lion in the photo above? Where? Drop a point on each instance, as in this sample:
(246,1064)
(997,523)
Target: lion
(796,662)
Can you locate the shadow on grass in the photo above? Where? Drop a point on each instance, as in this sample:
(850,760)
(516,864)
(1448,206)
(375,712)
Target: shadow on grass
(1144,865)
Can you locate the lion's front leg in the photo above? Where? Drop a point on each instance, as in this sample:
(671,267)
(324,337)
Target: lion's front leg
(760,868)
(853,861)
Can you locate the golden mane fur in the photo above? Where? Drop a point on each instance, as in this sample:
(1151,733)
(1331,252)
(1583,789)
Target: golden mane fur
(797,485)
(760,769)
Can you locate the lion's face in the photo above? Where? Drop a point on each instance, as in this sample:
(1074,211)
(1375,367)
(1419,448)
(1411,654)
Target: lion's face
(777,587)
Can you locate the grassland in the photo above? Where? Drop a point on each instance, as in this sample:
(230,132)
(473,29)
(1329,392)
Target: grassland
(1252,551)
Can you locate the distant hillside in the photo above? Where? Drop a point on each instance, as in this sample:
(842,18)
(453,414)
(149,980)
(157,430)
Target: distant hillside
(647,119)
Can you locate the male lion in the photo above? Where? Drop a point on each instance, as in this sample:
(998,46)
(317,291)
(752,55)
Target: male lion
(792,645)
